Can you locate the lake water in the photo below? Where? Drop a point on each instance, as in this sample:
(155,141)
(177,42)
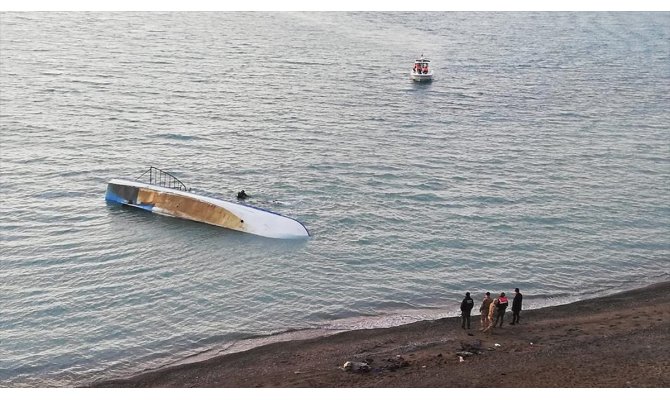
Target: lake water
(538,158)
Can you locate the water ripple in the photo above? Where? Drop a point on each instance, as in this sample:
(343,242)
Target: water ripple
(530,162)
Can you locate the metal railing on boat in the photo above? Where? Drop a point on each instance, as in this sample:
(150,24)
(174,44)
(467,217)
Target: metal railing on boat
(165,179)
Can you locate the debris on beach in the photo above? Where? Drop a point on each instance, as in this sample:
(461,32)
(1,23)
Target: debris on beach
(469,350)
(393,364)
(474,348)
(389,364)
(355,366)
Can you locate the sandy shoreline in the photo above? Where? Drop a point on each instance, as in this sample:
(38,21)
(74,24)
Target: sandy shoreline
(620,340)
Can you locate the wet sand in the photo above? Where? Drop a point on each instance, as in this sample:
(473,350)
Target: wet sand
(622,340)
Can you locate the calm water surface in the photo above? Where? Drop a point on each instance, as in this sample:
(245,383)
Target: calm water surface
(539,158)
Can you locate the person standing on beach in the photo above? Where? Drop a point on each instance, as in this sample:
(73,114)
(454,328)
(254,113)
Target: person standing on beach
(516,306)
(484,310)
(502,306)
(493,307)
(466,308)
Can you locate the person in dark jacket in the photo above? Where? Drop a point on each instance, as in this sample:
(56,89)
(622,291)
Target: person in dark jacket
(502,306)
(466,308)
(241,195)
(516,306)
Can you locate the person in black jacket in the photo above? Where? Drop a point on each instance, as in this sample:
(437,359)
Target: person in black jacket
(466,308)
(516,306)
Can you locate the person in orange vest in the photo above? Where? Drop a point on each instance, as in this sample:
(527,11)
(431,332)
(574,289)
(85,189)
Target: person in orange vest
(425,69)
(416,68)
(502,306)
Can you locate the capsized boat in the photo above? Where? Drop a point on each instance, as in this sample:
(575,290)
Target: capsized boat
(166,195)
(422,71)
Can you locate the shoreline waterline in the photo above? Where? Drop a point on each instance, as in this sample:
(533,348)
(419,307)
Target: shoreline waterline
(289,339)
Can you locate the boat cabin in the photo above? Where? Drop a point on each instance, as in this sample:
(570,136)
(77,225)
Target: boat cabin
(421,66)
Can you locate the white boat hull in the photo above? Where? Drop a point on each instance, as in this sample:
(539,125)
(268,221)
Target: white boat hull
(421,77)
(187,205)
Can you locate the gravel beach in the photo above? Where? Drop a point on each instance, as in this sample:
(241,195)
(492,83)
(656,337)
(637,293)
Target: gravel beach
(621,340)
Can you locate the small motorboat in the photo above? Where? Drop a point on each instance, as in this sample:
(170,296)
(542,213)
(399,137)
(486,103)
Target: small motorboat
(422,71)
(166,195)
